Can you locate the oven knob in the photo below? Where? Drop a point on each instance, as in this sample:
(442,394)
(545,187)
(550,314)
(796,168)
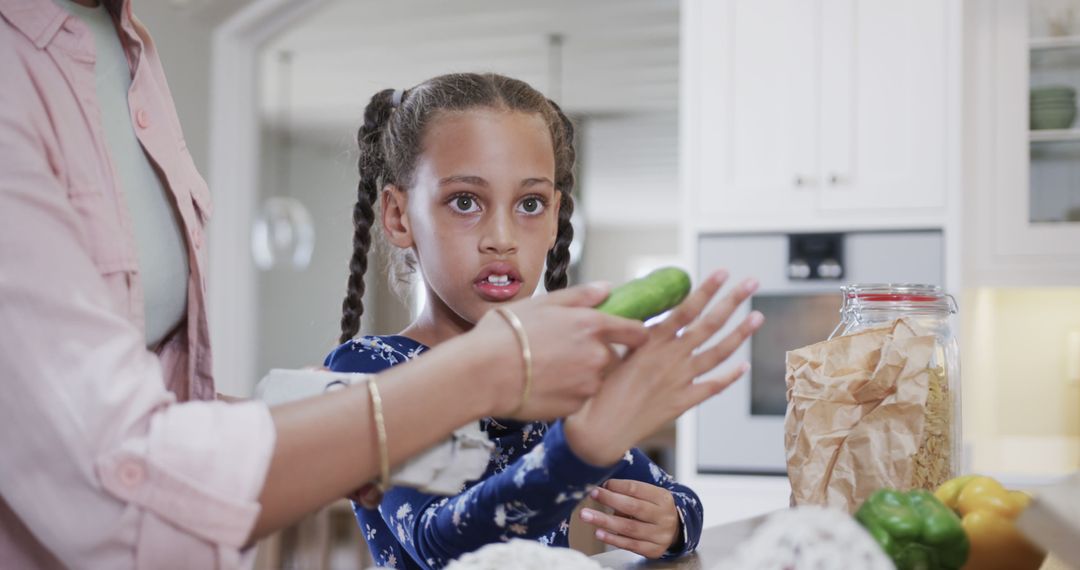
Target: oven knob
(830,269)
(798,269)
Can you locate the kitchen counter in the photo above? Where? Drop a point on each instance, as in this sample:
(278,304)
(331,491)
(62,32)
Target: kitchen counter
(717,544)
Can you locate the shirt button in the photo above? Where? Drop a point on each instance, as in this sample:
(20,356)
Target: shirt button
(132,474)
(142,118)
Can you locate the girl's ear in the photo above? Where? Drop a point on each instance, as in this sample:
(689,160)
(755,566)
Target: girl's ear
(555,227)
(395,217)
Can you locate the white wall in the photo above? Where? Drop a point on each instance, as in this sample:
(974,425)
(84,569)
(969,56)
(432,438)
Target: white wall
(183,43)
(614,254)
(299,312)
(629,169)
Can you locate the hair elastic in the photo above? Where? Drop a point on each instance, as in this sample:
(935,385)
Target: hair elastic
(396,100)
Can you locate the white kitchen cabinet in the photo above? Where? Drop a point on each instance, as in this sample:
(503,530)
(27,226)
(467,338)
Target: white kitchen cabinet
(1022,186)
(818,113)
(884,128)
(757,107)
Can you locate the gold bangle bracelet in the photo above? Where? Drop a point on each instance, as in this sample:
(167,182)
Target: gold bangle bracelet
(526,353)
(380,431)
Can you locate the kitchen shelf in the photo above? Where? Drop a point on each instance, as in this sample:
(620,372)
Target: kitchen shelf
(1055,135)
(1060,42)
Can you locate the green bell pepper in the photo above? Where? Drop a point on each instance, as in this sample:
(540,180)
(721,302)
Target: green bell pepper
(915,529)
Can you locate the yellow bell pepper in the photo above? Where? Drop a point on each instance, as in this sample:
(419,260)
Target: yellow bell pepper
(987,511)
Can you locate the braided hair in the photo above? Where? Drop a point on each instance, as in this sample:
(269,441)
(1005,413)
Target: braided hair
(390,142)
(371,165)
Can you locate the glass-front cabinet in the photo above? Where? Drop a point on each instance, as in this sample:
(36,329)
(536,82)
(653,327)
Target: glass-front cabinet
(1053,81)
(1021,201)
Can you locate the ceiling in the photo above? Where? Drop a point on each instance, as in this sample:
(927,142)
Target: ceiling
(618,56)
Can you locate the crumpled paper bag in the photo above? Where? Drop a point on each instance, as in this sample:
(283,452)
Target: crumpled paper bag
(855,415)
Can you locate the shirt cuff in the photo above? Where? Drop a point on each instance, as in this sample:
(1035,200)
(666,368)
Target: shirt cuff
(681,546)
(201,467)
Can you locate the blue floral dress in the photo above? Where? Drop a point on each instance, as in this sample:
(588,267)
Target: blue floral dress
(529,490)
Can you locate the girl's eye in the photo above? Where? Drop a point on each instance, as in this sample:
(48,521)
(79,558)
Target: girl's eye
(464,204)
(531,206)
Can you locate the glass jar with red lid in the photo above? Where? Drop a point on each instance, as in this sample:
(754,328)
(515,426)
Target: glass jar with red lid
(931,310)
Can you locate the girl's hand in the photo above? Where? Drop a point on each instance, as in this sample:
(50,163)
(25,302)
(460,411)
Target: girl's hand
(569,341)
(645,520)
(655,384)
(368,496)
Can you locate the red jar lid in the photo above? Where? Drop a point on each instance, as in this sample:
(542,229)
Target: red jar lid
(894,297)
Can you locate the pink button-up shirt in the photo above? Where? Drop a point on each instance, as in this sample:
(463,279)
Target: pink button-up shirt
(102,465)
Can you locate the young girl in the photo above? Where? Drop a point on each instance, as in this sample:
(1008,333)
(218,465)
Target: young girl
(474,174)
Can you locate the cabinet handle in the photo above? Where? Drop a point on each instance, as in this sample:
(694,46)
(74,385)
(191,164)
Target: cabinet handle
(836,179)
(805,180)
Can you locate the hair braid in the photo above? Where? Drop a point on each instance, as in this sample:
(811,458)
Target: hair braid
(558,258)
(371,165)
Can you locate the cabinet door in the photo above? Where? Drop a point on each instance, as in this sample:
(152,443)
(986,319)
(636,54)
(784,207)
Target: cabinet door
(885,130)
(755,92)
(1037,209)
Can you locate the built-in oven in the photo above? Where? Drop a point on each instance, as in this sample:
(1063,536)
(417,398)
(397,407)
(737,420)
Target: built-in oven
(741,430)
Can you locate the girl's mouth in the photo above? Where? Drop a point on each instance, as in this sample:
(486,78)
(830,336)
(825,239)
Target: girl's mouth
(498,282)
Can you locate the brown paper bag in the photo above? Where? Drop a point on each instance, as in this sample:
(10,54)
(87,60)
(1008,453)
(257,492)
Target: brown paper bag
(855,415)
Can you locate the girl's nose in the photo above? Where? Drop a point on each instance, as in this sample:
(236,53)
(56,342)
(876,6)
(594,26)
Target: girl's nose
(498,235)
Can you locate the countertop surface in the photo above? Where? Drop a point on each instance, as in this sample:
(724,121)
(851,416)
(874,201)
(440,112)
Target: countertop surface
(717,544)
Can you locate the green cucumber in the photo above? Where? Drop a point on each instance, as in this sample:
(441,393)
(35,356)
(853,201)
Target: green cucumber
(648,296)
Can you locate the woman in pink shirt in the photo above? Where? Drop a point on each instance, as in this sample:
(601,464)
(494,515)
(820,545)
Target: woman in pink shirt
(116,453)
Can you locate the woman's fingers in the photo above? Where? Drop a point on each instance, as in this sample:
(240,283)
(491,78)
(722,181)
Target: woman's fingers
(617,330)
(587,295)
(702,329)
(702,390)
(711,357)
(691,307)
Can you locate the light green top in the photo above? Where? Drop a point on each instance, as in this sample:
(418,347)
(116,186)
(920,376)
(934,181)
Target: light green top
(159,238)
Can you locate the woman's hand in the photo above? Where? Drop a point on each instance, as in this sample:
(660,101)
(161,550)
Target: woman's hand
(569,341)
(655,384)
(645,520)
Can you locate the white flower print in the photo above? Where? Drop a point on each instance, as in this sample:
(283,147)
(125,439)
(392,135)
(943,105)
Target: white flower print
(382,350)
(460,507)
(628,458)
(387,558)
(659,476)
(502,458)
(564,527)
(686,497)
(370,532)
(405,518)
(517,513)
(432,511)
(573,495)
(530,462)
